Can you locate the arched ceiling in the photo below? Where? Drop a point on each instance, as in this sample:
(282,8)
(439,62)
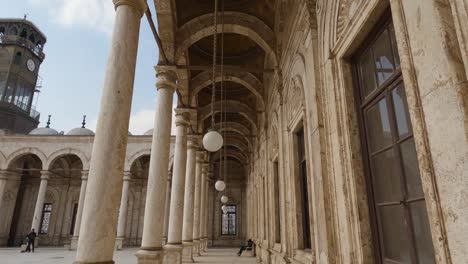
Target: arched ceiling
(247,44)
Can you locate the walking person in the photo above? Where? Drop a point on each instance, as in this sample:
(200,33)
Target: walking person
(31,238)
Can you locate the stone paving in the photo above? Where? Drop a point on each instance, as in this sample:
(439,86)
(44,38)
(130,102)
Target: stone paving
(126,256)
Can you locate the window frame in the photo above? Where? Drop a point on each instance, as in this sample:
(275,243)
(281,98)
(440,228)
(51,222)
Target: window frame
(235,221)
(365,103)
(44,212)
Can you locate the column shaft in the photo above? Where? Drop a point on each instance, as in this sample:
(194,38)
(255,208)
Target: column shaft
(123,210)
(153,230)
(178,180)
(40,201)
(196,204)
(167,207)
(99,221)
(79,212)
(187,230)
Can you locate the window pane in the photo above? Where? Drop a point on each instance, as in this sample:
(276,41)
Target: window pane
(378,126)
(367,73)
(401,111)
(383,58)
(3,76)
(10,88)
(385,177)
(410,165)
(422,233)
(395,240)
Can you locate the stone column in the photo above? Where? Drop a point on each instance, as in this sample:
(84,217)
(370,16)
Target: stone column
(202,202)
(187,228)
(79,212)
(123,211)
(98,230)
(206,210)
(151,250)
(167,206)
(174,242)
(196,204)
(3,181)
(45,175)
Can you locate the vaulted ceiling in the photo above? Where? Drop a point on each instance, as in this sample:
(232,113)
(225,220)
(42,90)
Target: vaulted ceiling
(245,45)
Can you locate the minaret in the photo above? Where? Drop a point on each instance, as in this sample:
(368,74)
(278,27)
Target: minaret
(21,45)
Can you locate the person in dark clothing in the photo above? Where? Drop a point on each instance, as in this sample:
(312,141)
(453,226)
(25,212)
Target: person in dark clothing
(243,247)
(31,237)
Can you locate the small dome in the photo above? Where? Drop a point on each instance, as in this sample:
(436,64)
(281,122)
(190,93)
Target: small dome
(80,131)
(44,131)
(149,132)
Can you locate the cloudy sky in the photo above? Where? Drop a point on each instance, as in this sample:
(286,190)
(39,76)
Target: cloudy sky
(78,38)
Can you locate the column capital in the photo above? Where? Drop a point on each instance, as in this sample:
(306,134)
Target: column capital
(166,77)
(45,175)
(139,5)
(127,176)
(182,116)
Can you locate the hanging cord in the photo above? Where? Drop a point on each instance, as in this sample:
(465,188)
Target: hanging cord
(213,88)
(224,94)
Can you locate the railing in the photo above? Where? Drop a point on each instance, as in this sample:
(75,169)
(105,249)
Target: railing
(33,113)
(17,40)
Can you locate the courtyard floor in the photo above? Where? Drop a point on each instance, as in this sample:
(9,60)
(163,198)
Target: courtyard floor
(61,256)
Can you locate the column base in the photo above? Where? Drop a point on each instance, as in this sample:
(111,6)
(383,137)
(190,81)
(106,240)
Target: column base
(187,252)
(119,243)
(150,256)
(196,247)
(173,254)
(73,243)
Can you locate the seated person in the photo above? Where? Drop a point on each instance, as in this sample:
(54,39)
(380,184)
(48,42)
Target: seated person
(242,248)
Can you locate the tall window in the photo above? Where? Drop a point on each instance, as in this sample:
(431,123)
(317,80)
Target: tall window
(46,212)
(396,198)
(304,190)
(228,221)
(277,202)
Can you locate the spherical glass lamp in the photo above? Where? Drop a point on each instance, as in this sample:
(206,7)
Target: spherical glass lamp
(224,208)
(220,186)
(224,199)
(212,141)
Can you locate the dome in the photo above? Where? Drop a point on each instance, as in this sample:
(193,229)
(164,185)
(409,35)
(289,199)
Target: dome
(149,132)
(44,131)
(80,131)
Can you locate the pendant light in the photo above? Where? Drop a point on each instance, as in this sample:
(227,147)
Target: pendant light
(212,140)
(224,199)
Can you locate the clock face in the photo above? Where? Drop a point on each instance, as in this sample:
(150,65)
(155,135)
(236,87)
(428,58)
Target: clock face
(31,65)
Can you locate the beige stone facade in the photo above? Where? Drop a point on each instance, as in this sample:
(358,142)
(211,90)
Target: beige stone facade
(300,133)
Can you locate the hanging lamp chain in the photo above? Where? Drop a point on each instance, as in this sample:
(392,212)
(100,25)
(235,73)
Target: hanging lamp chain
(213,88)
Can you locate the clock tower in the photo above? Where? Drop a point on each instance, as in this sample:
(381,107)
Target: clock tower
(21,54)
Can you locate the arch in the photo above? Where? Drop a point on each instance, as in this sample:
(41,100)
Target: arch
(246,79)
(231,106)
(234,22)
(233,126)
(25,151)
(165,13)
(233,141)
(129,162)
(234,154)
(68,151)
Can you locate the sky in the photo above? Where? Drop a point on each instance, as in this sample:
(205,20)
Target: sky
(78,35)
